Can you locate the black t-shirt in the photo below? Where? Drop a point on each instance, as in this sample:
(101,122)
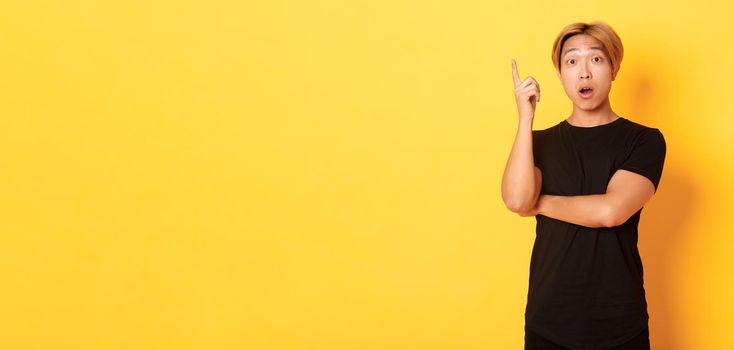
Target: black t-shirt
(586,284)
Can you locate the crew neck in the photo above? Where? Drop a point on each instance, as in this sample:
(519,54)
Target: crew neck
(615,121)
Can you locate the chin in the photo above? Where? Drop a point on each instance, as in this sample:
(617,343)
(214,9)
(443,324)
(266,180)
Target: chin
(590,106)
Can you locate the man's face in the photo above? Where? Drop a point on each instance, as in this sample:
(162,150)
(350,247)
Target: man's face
(585,63)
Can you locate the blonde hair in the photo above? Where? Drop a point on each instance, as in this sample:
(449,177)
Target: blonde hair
(597,29)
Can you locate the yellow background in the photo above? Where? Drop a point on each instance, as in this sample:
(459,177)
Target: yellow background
(326,174)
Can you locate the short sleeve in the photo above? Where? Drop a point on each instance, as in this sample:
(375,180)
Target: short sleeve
(536,148)
(647,156)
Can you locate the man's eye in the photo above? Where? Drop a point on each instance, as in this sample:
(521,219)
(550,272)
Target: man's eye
(569,61)
(598,58)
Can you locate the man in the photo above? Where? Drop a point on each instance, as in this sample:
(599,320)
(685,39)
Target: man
(586,180)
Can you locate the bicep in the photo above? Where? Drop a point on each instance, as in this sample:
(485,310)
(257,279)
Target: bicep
(628,192)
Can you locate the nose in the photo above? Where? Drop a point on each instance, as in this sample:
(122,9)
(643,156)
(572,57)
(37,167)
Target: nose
(584,74)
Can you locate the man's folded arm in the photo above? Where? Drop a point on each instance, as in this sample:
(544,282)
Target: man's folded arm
(627,192)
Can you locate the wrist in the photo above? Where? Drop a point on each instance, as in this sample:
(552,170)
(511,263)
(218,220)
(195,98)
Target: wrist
(527,117)
(542,205)
(526,122)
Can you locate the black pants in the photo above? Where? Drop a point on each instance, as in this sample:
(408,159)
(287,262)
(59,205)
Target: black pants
(533,341)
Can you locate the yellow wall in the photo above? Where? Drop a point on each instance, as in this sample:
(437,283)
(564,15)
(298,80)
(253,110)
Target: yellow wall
(326,174)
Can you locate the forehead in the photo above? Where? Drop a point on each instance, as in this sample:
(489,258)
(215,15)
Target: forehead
(582,42)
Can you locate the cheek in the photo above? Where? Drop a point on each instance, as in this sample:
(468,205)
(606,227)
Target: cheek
(605,72)
(607,86)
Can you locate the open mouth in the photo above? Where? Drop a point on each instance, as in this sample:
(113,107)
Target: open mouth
(586,92)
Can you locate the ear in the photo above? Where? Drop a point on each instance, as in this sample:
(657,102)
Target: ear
(558,73)
(614,75)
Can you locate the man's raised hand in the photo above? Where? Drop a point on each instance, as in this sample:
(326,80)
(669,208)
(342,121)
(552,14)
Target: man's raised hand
(527,93)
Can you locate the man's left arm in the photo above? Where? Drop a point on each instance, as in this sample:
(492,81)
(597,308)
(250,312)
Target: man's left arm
(627,192)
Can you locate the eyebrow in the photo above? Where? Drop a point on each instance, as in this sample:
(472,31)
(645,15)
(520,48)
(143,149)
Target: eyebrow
(576,48)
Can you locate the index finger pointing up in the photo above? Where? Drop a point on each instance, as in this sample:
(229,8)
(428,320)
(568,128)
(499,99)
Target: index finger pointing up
(514,72)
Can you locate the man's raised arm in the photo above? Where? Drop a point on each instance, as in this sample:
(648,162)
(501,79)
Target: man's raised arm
(521,181)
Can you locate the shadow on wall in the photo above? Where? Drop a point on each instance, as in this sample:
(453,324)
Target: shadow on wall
(663,225)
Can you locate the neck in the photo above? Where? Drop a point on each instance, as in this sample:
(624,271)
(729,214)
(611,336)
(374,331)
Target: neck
(602,114)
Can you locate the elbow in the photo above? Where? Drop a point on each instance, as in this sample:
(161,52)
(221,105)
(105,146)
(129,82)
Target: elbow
(611,216)
(512,206)
(512,198)
(518,206)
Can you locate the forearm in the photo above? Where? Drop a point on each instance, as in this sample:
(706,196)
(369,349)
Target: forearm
(585,210)
(518,180)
